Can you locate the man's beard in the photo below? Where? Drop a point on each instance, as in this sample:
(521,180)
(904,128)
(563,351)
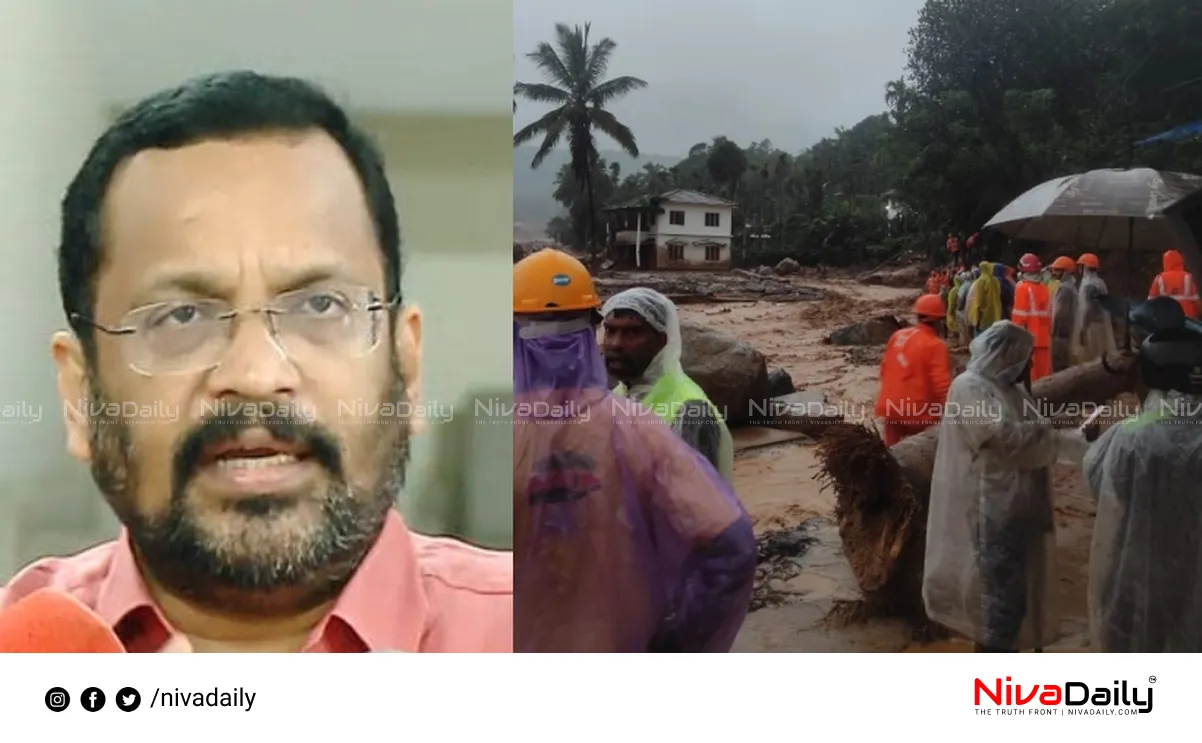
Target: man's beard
(626,368)
(190,560)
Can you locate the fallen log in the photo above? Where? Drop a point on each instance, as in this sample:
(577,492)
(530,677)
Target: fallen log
(881,493)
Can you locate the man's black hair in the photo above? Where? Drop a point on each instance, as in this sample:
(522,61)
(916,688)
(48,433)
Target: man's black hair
(223,105)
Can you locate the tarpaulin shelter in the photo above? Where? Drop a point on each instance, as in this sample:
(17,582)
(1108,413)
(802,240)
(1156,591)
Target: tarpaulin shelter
(1185,131)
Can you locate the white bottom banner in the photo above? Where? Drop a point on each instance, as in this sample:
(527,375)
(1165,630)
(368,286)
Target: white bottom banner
(609,698)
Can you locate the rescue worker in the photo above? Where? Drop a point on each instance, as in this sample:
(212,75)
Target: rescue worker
(985,300)
(974,274)
(1145,568)
(915,374)
(970,248)
(932,285)
(962,297)
(1005,277)
(625,538)
(1064,311)
(1093,331)
(1059,268)
(1174,281)
(1033,312)
(990,530)
(642,347)
(953,248)
(952,299)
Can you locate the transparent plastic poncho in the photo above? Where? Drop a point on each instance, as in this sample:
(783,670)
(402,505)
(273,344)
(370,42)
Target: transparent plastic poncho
(1145,570)
(990,553)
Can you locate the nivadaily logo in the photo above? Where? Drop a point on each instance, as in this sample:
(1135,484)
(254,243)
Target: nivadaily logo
(1070,697)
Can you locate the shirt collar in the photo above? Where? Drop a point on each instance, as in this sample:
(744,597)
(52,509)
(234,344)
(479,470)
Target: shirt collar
(384,603)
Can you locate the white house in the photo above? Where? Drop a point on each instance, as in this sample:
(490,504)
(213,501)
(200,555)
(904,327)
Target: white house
(680,229)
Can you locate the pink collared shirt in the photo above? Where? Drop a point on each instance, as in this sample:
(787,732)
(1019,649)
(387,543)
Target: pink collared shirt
(412,593)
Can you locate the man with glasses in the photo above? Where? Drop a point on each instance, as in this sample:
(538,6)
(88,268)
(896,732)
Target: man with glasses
(230,265)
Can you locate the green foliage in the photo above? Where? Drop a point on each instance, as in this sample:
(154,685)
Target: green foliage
(1000,96)
(997,96)
(726,163)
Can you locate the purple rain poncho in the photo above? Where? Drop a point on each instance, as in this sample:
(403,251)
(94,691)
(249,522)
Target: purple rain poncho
(625,538)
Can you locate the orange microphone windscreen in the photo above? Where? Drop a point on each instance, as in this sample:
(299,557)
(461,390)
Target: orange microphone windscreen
(49,621)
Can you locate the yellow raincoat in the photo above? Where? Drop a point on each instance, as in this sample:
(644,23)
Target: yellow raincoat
(957,287)
(985,305)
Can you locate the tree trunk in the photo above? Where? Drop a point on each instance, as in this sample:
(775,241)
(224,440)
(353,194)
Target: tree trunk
(881,493)
(780,216)
(592,209)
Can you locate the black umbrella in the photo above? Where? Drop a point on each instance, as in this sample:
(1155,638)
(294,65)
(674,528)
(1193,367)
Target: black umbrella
(1101,209)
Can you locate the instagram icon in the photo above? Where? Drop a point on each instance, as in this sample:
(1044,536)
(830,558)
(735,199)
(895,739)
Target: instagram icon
(57,699)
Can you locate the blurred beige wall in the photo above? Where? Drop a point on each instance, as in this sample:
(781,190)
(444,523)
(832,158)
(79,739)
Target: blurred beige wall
(448,172)
(65,65)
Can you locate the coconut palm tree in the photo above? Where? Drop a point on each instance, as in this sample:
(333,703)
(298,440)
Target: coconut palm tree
(574,70)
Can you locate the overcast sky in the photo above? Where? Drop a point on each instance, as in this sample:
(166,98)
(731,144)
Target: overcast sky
(786,70)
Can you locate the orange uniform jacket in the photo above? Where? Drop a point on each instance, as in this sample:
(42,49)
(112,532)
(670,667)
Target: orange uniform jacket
(1033,311)
(1177,283)
(915,376)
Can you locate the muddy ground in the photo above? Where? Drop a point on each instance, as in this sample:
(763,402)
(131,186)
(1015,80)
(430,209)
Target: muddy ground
(776,483)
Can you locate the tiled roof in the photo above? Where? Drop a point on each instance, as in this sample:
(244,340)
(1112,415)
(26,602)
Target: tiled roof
(675,196)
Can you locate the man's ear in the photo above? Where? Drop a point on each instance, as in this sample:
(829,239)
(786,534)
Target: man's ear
(408,352)
(73,393)
(663,340)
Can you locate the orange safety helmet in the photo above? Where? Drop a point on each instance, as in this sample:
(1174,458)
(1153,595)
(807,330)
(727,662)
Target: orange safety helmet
(930,306)
(1089,260)
(552,281)
(1064,263)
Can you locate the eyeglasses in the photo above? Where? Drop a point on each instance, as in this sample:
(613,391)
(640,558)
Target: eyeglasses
(194,335)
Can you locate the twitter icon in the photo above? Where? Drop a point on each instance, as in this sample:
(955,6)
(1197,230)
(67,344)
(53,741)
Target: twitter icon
(128,699)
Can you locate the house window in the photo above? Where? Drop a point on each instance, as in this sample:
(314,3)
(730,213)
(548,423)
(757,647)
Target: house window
(713,219)
(676,217)
(713,252)
(676,252)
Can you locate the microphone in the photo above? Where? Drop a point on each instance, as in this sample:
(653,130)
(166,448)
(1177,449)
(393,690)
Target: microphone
(48,621)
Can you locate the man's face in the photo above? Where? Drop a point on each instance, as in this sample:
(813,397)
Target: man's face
(273,470)
(629,344)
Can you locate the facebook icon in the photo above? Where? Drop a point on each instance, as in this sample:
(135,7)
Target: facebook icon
(92,699)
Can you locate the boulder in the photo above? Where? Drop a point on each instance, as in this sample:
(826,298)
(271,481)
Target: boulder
(787,266)
(763,271)
(910,276)
(875,331)
(730,371)
(780,383)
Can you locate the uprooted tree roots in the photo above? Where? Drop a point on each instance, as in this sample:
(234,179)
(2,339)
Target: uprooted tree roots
(881,514)
(882,493)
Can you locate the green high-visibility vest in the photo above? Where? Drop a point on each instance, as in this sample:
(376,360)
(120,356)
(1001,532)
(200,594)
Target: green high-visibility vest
(667,398)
